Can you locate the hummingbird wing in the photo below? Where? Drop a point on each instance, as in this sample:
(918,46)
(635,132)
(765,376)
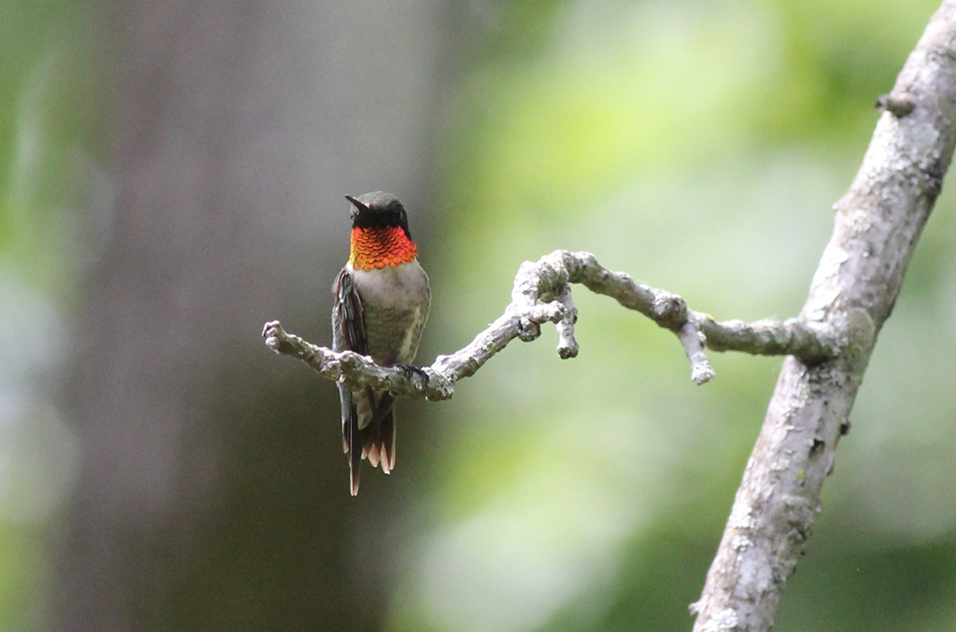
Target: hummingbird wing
(348,316)
(348,332)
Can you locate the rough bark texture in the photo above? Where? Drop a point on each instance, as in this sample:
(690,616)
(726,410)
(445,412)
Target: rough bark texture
(877,226)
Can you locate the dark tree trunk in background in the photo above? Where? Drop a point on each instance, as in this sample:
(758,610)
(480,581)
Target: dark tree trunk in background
(212,496)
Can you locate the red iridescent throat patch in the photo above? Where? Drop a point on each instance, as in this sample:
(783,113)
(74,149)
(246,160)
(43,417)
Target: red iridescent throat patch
(379,247)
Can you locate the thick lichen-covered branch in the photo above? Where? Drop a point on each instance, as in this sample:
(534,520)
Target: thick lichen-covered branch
(542,293)
(877,225)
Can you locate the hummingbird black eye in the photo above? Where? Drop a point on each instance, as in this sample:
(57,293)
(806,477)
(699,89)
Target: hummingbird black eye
(395,213)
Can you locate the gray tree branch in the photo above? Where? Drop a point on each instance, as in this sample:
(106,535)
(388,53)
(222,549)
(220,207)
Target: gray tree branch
(853,291)
(541,294)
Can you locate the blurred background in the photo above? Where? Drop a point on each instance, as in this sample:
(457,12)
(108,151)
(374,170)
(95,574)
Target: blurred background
(172,178)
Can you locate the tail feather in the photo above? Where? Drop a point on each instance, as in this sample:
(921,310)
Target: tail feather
(348,412)
(355,453)
(387,436)
(379,442)
(375,442)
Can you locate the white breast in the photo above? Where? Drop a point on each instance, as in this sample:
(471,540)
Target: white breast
(395,301)
(398,287)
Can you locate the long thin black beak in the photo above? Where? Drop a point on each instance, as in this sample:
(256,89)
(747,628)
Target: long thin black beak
(356,203)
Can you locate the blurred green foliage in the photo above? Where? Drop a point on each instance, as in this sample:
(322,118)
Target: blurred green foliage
(54,133)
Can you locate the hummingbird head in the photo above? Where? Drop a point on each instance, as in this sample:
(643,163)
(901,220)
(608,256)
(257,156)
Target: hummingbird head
(380,234)
(378,210)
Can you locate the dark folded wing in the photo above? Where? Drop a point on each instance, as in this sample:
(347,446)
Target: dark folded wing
(348,317)
(348,332)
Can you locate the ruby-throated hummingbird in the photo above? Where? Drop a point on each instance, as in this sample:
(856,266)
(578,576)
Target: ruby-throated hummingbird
(381,305)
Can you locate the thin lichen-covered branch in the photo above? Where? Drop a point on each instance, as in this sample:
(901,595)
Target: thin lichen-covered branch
(542,294)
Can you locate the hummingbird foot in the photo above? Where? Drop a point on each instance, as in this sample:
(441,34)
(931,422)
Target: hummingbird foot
(408,370)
